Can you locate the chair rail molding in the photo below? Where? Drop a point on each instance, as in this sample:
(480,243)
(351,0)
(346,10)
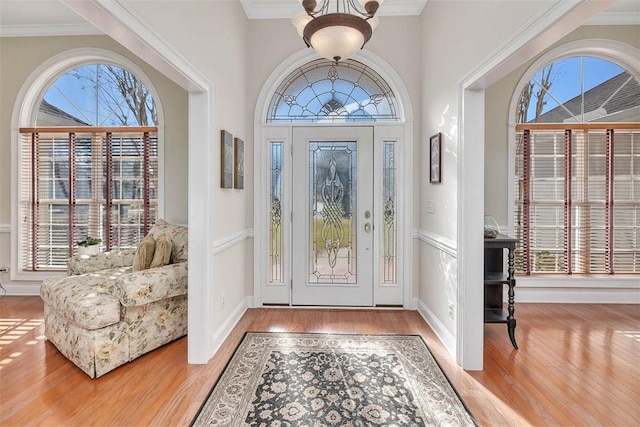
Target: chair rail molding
(225,243)
(439,242)
(5,228)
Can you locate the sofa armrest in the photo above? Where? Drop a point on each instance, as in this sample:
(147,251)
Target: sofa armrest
(81,264)
(154,284)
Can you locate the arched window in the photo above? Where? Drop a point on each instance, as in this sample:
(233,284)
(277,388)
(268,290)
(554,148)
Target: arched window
(89,165)
(580,89)
(97,95)
(577,180)
(323,91)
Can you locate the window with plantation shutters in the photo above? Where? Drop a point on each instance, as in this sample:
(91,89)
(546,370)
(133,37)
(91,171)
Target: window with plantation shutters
(577,180)
(89,167)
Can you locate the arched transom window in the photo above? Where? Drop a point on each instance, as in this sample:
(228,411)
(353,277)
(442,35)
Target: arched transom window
(323,91)
(580,89)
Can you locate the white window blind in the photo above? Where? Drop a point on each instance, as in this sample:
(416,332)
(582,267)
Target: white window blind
(577,198)
(84,181)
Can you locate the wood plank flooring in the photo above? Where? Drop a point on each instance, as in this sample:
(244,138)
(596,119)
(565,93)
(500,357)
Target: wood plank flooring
(578,365)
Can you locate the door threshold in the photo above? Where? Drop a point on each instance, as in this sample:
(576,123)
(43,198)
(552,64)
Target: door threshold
(336,307)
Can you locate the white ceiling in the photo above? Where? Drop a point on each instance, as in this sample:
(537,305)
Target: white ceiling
(50,17)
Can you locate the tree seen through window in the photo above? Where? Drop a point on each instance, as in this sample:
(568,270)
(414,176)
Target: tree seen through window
(95,165)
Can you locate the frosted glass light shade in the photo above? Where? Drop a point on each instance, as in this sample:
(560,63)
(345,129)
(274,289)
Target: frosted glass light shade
(300,21)
(374,22)
(338,42)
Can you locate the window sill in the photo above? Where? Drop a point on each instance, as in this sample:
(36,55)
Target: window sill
(629,281)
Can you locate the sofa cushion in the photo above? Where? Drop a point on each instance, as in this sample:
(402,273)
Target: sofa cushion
(179,235)
(144,254)
(85,300)
(81,264)
(154,284)
(162,253)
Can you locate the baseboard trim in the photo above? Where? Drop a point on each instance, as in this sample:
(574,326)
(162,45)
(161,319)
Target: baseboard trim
(438,327)
(225,329)
(26,290)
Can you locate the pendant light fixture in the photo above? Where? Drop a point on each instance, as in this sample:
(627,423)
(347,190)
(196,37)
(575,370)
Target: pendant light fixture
(337,33)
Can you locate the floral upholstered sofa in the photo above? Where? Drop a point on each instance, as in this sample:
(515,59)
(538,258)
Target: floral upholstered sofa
(104,314)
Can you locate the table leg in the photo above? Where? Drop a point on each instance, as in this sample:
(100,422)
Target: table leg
(511,321)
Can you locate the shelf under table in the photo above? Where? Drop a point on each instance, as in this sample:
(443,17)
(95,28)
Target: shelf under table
(495,315)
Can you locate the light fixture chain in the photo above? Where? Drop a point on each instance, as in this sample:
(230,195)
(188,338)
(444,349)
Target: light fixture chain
(322,10)
(348,6)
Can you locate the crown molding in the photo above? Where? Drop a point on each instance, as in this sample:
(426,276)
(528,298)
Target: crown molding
(618,18)
(273,9)
(49,30)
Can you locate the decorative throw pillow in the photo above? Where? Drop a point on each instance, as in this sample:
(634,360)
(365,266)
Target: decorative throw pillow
(144,254)
(162,254)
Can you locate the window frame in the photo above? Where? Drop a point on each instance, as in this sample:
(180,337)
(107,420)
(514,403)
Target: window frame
(572,242)
(24,116)
(338,78)
(623,55)
(37,209)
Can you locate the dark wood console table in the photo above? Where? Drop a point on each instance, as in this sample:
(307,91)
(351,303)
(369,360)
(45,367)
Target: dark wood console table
(494,280)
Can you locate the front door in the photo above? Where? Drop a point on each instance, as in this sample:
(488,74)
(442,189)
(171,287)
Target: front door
(333,216)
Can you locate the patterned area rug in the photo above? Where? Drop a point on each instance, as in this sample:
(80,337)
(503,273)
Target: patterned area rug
(291,379)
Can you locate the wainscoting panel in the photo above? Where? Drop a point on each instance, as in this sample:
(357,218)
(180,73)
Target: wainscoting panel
(560,289)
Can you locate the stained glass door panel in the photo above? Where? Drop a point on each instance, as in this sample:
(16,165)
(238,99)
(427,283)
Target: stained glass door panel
(333,218)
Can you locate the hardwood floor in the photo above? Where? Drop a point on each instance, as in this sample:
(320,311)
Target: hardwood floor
(578,365)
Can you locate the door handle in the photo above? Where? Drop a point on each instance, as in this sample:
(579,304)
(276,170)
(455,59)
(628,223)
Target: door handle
(367,227)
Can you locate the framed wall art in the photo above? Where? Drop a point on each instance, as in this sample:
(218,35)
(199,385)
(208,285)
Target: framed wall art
(435,158)
(238,166)
(226,155)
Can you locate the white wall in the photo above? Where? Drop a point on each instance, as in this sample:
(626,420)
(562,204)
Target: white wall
(456,36)
(16,66)
(212,38)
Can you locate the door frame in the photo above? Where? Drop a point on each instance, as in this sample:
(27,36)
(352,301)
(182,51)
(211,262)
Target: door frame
(264,133)
(266,293)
